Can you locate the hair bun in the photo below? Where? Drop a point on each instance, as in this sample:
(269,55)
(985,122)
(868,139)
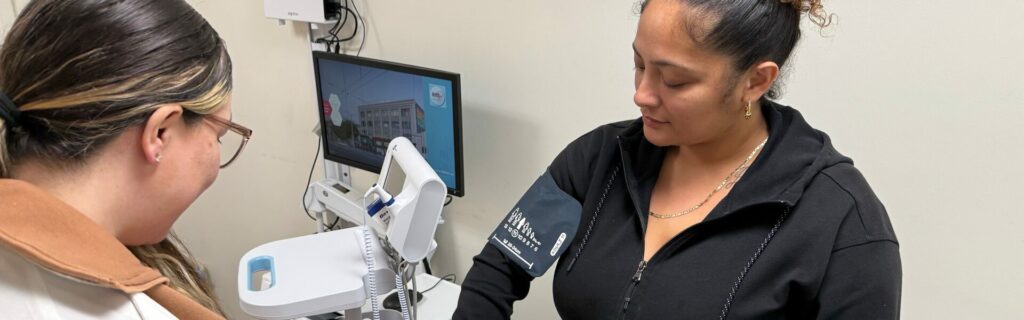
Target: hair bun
(814,10)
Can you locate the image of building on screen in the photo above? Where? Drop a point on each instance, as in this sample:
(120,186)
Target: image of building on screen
(382,122)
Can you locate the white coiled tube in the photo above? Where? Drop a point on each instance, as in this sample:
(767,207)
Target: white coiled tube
(401,296)
(371,277)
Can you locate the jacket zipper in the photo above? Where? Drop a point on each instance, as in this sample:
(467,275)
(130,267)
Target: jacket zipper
(643,263)
(632,286)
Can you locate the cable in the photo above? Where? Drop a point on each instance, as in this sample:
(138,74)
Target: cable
(401,296)
(359,16)
(355,27)
(371,278)
(445,277)
(342,18)
(328,41)
(335,223)
(310,179)
(448,200)
(332,40)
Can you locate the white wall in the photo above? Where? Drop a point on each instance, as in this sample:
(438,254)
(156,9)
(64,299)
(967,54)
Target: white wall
(924,95)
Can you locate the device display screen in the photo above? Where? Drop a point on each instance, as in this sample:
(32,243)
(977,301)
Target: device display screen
(394,179)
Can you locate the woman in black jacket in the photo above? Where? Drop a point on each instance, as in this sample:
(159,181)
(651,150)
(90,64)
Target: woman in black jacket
(717,203)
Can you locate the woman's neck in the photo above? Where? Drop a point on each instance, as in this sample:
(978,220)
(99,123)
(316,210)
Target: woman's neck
(90,189)
(725,151)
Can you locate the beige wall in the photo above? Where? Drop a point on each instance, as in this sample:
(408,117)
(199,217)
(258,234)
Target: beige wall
(7,15)
(924,95)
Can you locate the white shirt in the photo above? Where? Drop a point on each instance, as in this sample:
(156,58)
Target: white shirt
(28,291)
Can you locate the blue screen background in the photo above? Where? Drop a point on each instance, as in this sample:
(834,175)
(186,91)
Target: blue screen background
(354,86)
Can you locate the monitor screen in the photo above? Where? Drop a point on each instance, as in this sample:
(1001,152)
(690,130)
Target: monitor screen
(364,103)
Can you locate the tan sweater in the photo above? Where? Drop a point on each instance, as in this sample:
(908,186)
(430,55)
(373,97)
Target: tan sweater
(55,236)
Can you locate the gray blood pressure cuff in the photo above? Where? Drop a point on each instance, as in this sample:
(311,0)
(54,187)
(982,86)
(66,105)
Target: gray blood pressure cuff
(539,228)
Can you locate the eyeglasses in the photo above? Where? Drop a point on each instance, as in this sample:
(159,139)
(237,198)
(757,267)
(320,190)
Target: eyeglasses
(231,143)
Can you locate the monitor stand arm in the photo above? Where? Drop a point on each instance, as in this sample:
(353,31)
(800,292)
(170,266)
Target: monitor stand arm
(338,172)
(334,194)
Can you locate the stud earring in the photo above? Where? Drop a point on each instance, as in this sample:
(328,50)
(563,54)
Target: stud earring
(158,156)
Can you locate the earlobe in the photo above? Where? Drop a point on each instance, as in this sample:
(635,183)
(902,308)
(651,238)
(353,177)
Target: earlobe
(151,142)
(155,132)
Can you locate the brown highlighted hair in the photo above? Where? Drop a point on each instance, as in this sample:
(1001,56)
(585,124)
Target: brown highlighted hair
(82,71)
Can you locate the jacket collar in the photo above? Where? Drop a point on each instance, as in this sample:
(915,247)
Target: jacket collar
(57,237)
(54,235)
(794,154)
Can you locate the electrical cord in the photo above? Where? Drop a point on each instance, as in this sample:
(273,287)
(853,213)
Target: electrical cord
(333,224)
(310,179)
(371,277)
(399,284)
(343,13)
(356,22)
(329,39)
(332,40)
(445,277)
(355,29)
(359,16)
(342,19)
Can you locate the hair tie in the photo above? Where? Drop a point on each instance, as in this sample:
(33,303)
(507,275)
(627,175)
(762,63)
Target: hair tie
(8,111)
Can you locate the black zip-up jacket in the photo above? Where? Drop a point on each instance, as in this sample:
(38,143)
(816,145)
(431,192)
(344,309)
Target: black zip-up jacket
(800,236)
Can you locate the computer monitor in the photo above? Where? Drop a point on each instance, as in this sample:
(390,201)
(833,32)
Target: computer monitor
(364,103)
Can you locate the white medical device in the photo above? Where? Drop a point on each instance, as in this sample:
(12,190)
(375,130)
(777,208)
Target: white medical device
(419,196)
(330,271)
(314,11)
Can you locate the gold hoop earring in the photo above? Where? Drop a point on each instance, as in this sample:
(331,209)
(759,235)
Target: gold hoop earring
(748,113)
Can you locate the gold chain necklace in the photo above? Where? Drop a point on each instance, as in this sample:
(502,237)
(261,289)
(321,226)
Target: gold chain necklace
(734,177)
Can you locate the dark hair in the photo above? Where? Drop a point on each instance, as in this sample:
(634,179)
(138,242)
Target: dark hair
(81,71)
(751,31)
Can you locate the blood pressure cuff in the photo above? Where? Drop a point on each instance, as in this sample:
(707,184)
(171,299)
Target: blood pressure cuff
(539,228)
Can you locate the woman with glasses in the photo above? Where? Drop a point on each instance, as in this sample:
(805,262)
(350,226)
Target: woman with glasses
(114,118)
